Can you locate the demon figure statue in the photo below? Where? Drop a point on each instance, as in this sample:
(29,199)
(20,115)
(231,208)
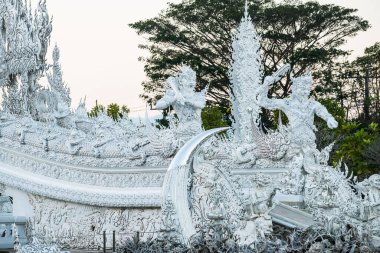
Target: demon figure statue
(300,111)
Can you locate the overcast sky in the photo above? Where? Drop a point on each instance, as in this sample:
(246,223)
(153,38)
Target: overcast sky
(99,53)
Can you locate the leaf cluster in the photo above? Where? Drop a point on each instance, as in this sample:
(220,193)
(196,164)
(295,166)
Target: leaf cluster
(113,110)
(354,146)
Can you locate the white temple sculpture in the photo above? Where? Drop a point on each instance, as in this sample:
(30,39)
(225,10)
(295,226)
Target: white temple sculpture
(23,48)
(300,111)
(187,104)
(267,175)
(245,76)
(71,177)
(180,94)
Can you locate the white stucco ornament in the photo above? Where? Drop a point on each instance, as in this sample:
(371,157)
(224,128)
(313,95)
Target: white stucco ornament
(187,103)
(180,184)
(245,76)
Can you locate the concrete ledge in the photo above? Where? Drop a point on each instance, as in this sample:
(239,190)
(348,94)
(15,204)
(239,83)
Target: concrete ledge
(27,181)
(291,217)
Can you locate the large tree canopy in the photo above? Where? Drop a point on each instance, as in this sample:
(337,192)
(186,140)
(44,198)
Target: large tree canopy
(355,85)
(367,69)
(199,33)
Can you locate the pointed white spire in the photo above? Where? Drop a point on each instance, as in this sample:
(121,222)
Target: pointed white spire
(246,72)
(246,10)
(56,81)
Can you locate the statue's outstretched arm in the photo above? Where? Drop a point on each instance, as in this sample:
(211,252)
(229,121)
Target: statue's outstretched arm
(266,102)
(322,112)
(166,100)
(269,103)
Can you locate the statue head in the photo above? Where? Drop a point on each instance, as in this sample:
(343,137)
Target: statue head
(302,85)
(186,79)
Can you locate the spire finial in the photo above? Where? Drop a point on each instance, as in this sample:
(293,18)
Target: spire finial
(246,9)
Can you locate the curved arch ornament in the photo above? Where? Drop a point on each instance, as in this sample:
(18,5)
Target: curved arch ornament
(175,204)
(64,190)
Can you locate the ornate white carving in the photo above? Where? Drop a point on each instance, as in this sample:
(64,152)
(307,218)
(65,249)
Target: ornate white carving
(5,202)
(58,87)
(328,193)
(374,194)
(299,110)
(80,226)
(132,177)
(87,171)
(5,205)
(180,94)
(43,120)
(79,193)
(245,76)
(204,186)
(176,185)
(27,38)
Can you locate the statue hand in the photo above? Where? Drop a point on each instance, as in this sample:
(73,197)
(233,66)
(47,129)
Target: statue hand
(332,123)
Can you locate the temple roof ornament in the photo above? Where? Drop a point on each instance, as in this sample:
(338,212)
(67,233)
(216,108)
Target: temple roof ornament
(246,15)
(245,77)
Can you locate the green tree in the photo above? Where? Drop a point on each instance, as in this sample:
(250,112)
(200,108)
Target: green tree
(333,88)
(326,136)
(372,155)
(212,117)
(355,86)
(96,110)
(115,111)
(198,33)
(354,146)
(368,68)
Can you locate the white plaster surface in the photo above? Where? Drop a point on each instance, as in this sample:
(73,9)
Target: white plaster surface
(21,204)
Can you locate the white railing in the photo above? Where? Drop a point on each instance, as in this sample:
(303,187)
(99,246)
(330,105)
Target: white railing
(7,223)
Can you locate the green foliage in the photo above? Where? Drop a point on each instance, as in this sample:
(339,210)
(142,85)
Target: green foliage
(372,155)
(198,33)
(326,136)
(96,110)
(353,147)
(371,56)
(368,66)
(114,111)
(354,85)
(163,122)
(334,108)
(213,117)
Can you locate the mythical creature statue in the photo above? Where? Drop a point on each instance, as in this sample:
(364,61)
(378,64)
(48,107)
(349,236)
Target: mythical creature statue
(370,188)
(73,144)
(180,94)
(300,111)
(374,193)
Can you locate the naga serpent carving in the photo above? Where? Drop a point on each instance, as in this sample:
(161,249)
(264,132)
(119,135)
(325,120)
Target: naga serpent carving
(176,182)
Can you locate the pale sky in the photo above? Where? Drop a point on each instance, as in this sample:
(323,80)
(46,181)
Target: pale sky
(99,53)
